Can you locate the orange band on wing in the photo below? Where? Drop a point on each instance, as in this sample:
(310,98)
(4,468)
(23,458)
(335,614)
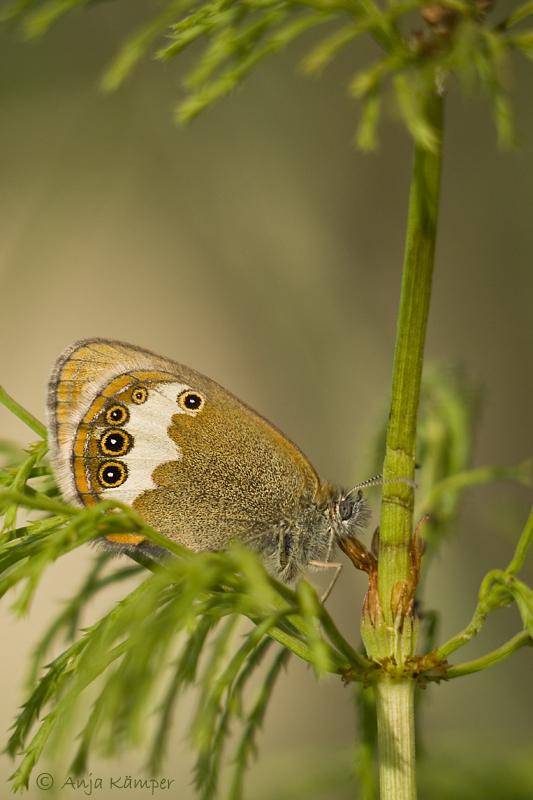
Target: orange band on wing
(80,479)
(81,440)
(96,406)
(117,385)
(125,538)
(153,376)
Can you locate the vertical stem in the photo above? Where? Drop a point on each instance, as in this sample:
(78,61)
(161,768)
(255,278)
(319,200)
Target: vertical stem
(398,498)
(389,623)
(396,738)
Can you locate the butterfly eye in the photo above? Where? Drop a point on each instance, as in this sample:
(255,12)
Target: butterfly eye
(139,395)
(112,474)
(117,415)
(191,401)
(116,443)
(346,508)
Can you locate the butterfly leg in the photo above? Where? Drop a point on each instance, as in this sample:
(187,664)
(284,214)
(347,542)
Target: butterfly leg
(328,565)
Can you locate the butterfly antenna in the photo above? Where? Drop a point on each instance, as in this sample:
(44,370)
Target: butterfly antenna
(378,481)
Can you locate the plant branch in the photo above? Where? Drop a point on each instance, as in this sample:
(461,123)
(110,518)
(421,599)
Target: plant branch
(475,477)
(522,547)
(496,590)
(522,639)
(486,604)
(22,414)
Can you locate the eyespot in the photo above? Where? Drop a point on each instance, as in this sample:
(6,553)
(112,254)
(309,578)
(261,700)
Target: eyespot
(191,401)
(112,474)
(346,509)
(116,443)
(117,415)
(139,395)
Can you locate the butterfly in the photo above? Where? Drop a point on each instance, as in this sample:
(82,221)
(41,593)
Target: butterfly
(197,464)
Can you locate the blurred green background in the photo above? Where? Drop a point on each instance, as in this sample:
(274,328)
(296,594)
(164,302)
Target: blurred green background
(259,248)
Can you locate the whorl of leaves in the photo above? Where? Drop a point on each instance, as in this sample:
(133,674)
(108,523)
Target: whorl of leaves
(423,44)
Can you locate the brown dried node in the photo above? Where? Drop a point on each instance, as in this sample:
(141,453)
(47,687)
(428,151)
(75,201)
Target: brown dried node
(441,20)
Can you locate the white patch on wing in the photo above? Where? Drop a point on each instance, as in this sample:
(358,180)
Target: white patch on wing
(148,424)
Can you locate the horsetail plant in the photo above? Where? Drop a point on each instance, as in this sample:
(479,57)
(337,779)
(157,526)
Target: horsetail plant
(177,627)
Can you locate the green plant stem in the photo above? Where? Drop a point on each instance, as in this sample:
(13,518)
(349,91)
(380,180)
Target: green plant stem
(396,738)
(22,414)
(398,498)
(475,477)
(522,639)
(395,695)
(471,630)
(492,594)
(522,547)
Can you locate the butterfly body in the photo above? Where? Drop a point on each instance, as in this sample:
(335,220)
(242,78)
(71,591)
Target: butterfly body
(196,463)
